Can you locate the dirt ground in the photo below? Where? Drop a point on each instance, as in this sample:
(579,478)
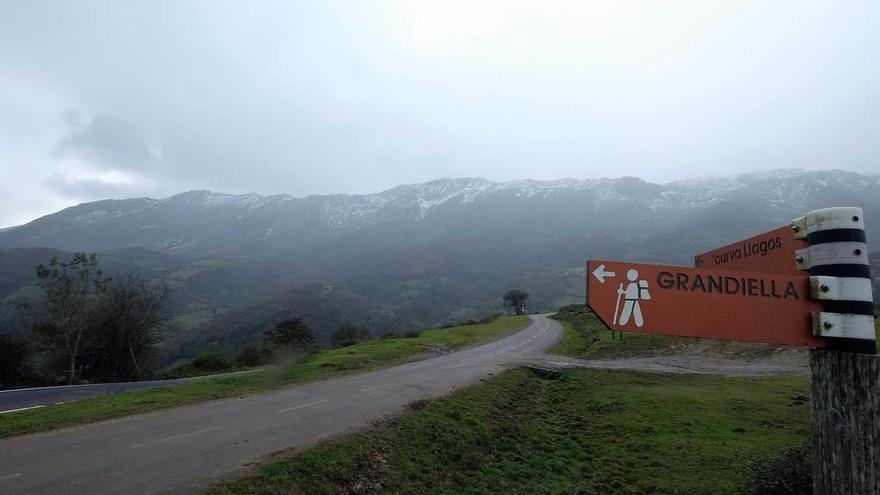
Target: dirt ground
(702,356)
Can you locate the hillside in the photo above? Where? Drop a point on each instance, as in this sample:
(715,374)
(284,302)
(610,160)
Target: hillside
(204,223)
(413,256)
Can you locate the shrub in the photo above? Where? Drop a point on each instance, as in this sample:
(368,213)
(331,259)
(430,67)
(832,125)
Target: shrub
(253,354)
(213,361)
(14,356)
(470,321)
(396,335)
(480,321)
(292,333)
(349,334)
(208,363)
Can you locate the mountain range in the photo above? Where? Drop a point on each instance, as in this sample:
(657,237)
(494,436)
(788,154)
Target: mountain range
(413,256)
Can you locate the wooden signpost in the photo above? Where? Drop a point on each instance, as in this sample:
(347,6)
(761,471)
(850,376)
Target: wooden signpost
(807,284)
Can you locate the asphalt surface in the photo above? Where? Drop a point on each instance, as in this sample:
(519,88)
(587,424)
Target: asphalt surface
(185,449)
(30,398)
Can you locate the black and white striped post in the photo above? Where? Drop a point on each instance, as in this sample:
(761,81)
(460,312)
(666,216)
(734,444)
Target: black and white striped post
(844,403)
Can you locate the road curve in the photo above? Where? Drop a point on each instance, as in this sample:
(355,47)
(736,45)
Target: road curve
(183,450)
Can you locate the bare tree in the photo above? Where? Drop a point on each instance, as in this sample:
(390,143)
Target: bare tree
(133,313)
(72,288)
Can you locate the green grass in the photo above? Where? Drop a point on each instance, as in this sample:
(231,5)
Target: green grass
(590,432)
(574,343)
(585,336)
(383,351)
(319,364)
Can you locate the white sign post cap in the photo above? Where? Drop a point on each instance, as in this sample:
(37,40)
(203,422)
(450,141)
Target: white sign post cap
(843,217)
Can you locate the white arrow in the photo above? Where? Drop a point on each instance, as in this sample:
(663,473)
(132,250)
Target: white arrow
(600,273)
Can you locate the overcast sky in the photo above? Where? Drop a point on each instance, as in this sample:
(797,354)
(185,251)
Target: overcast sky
(148,98)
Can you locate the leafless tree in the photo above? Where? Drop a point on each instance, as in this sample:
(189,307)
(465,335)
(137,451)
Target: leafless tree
(133,313)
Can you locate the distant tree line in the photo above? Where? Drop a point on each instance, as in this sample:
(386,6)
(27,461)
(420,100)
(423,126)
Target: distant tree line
(293,336)
(86,327)
(288,339)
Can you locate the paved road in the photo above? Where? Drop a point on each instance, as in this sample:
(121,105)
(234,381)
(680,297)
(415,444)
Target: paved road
(183,450)
(30,398)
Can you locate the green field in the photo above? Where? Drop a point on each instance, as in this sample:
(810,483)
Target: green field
(587,431)
(317,365)
(585,336)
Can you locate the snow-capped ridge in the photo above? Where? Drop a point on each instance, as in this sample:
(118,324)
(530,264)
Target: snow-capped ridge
(426,196)
(209,199)
(793,189)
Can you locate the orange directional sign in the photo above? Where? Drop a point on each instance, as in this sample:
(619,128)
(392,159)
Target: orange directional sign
(722,304)
(772,252)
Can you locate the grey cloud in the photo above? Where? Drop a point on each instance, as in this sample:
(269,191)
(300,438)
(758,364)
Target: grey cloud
(74,187)
(359,96)
(105,141)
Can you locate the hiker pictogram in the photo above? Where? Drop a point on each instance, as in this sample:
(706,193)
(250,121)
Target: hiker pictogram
(636,291)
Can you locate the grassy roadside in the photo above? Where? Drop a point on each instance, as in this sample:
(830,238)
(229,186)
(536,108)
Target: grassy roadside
(585,336)
(589,432)
(318,365)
